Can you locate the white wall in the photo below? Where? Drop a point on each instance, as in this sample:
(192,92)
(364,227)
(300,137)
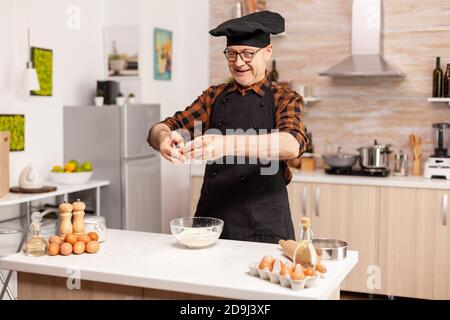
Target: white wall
(79,62)
(189,22)
(76,65)
(77,57)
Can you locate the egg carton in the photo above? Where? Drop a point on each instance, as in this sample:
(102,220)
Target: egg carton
(284,281)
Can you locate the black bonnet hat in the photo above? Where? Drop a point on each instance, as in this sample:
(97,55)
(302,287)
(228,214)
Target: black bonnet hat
(251,30)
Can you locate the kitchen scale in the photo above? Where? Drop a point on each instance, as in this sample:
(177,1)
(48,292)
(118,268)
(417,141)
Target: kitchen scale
(438,165)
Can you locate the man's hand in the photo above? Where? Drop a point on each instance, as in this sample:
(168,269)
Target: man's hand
(207,147)
(171,143)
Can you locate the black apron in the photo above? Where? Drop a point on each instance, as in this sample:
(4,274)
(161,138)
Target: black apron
(254,207)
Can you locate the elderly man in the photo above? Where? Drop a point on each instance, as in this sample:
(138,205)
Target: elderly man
(253,204)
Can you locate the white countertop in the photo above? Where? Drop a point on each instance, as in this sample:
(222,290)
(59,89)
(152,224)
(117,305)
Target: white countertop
(319,176)
(17,198)
(157,261)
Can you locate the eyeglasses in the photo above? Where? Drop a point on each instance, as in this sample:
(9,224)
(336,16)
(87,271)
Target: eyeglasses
(246,56)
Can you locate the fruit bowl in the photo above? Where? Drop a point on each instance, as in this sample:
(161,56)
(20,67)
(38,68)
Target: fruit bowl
(196,232)
(71,178)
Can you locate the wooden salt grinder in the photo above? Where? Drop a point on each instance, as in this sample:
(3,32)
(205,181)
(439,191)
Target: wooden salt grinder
(78,217)
(65,224)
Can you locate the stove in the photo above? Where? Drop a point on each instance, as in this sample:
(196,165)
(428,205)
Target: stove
(361,172)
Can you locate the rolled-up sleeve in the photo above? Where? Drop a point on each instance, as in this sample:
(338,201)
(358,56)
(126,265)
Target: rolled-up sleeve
(198,112)
(289,113)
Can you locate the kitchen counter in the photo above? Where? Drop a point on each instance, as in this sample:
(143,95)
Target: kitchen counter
(156,262)
(319,176)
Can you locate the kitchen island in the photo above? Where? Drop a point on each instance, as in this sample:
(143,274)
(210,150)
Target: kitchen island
(137,265)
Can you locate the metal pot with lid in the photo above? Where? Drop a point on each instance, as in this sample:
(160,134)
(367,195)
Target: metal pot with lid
(375,157)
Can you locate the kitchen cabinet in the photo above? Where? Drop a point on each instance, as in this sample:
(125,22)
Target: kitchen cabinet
(344,212)
(300,201)
(415,242)
(401,233)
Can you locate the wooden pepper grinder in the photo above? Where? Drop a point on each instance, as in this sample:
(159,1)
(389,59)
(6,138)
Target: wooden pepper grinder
(65,214)
(78,217)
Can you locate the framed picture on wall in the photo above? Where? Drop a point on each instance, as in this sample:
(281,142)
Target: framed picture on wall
(162,57)
(43,63)
(15,125)
(122,49)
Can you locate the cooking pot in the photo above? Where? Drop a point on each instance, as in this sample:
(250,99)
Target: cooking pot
(375,156)
(340,160)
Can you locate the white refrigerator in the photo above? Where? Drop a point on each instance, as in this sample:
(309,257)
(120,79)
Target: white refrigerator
(114,138)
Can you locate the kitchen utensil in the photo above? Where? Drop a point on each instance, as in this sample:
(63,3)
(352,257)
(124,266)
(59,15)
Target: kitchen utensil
(196,232)
(4,163)
(401,164)
(339,159)
(30,178)
(96,224)
(375,157)
(330,249)
(416,146)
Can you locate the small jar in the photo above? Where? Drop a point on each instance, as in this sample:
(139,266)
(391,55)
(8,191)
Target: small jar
(96,224)
(401,164)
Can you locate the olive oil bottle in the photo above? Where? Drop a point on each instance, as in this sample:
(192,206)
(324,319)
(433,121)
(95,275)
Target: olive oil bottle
(446,86)
(437,79)
(274,76)
(306,253)
(36,245)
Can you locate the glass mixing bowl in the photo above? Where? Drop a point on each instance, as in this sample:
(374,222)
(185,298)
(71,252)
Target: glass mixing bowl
(196,232)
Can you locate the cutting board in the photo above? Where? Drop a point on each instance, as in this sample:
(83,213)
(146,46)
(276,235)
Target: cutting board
(4,163)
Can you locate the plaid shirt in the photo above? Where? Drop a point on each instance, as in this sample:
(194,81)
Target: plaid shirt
(288,111)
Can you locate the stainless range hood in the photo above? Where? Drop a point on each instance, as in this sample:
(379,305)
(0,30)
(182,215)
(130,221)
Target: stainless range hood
(366,59)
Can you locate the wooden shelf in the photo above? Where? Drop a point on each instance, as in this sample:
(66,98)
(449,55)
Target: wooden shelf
(439,100)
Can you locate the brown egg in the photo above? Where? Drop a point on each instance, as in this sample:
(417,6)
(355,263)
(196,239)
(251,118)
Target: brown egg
(297,273)
(92,246)
(84,238)
(266,262)
(71,238)
(79,247)
(55,239)
(321,268)
(309,271)
(53,249)
(93,236)
(66,249)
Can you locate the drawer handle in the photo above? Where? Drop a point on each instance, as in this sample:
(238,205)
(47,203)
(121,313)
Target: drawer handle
(444,209)
(317,201)
(304,195)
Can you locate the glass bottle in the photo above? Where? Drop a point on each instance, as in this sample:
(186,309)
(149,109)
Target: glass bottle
(437,79)
(36,245)
(306,254)
(446,91)
(274,76)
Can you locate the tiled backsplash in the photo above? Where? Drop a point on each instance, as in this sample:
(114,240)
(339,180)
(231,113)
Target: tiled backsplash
(354,112)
